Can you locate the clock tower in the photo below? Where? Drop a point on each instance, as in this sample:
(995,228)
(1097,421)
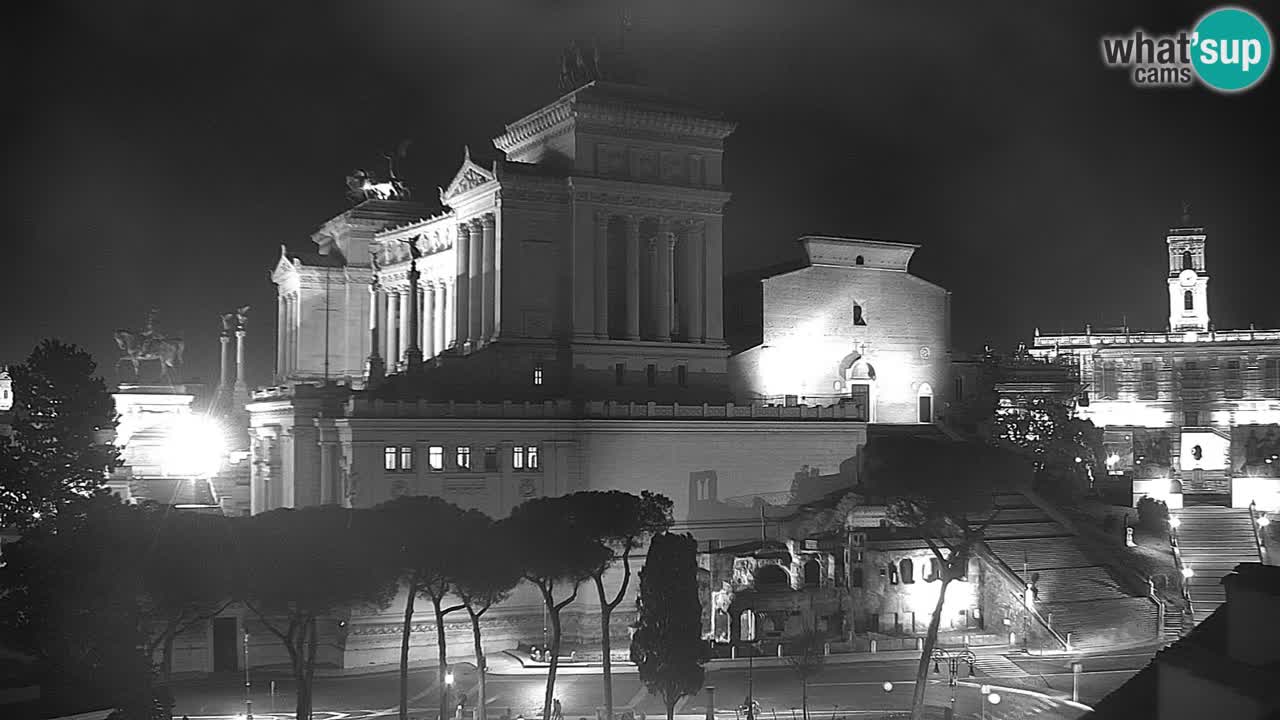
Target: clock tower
(1188,280)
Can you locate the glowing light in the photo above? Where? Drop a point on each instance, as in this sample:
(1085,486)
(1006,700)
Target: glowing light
(194,447)
(448,677)
(1078,459)
(994,698)
(985,689)
(1112,459)
(1264,521)
(888,686)
(1187,572)
(1175,522)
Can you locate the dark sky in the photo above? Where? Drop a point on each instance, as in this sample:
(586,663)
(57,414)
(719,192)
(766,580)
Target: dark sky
(162,151)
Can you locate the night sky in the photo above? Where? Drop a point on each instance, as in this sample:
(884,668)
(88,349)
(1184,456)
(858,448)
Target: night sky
(162,151)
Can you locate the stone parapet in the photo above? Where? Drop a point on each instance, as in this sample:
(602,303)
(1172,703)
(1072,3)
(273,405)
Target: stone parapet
(594,409)
(1151,338)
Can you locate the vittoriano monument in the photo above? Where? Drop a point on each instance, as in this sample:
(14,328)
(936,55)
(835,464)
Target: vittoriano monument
(149,344)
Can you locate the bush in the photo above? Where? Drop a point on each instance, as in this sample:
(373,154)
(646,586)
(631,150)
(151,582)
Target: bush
(1153,514)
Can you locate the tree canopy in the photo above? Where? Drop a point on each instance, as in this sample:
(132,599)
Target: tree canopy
(60,450)
(667,647)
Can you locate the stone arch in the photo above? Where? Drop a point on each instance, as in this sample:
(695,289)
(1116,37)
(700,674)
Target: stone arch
(859,260)
(924,403)
(1188,263)
(907,570)
(1188,301)
(772,577)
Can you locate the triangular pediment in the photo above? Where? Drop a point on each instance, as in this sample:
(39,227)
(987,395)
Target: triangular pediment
(468,177)
(284,267)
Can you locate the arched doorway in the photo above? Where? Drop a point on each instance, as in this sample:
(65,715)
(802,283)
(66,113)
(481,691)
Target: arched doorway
(772,577)
(812,573)
(859,380)
(924,403)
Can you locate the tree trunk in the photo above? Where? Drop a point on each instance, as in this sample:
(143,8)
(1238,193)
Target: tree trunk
(671,708)
(804,698)
(606,645)
(301,709)
(443,654)
(404,651)
(930,639)
(554,613)
(311,664)
(481,665)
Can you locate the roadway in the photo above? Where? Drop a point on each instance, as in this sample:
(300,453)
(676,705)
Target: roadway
(840,689)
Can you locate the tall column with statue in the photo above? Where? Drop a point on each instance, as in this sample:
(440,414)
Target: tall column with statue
(240,396)
(412,353)
(375,370)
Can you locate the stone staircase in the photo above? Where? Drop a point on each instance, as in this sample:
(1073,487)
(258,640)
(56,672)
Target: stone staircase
(1077,594)
(1172,630)
(996,665)
(1213,540)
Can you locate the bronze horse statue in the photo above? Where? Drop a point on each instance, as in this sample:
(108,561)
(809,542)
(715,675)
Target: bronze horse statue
(138,347)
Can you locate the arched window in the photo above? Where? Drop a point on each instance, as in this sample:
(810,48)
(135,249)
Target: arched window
(908,571)
(1187,262)
(812,574)
(935,570)
(857,316)
(893,575)
(856,577)
(859,261)
(772,577)
(1188,302)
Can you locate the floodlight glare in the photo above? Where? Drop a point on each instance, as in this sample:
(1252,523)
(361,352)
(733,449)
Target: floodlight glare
(194,447)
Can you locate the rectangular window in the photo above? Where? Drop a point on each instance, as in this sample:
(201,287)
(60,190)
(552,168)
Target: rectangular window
(959,389)
(389,457)
(1110,391)
(1232,387)
(531,457)
(682,375)
(1148,387)
(491,458)
(406,458)
(435,457)
(517,457)
(1271,376)
(1191,419)
(464,458)
(1192,375)
(651,375)
(619,373)
(537,374)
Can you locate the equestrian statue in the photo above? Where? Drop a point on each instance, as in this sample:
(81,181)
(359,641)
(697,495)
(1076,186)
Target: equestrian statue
(149,344)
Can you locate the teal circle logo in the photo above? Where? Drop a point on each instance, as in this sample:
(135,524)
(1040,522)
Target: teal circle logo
(1231,49)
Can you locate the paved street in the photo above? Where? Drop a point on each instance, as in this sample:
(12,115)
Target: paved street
(843,690)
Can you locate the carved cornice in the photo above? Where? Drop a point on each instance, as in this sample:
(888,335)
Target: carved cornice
(525,194)
(663,123)
(533,125)
(673,204)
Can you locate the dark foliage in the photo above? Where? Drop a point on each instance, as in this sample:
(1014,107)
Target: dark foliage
(667,647)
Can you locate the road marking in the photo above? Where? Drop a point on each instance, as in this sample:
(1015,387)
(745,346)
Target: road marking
(862,682)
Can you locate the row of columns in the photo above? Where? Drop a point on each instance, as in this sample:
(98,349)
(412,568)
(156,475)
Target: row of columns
(288,320)
(689,246)
(390,319)
(477,311)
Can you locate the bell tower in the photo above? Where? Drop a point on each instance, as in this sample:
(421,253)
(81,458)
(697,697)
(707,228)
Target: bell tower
(1188,280)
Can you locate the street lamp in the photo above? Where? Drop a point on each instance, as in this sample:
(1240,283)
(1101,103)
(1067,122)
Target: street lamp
(1187,572)
(1175,522)
(953,660)
(248,703)
(985,690)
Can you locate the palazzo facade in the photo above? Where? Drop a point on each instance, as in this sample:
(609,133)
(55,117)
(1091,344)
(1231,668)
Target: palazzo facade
(1191,410)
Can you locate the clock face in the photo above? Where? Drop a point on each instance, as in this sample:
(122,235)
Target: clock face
(1187,278)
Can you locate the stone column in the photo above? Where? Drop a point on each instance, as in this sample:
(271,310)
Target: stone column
(405,319)
(602,274)
(462,285)
(242,387)
(714,325)
(224,378)
(475,283)
(393,328)
(694,306)
(662,305)
(281,335)
(376,368)
(633,277)
(488,270)
(450,326)
(412,334)
(328,472)
(429,320)
(291,335)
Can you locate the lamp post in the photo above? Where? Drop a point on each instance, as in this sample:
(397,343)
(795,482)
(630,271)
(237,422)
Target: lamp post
(953,659)
(1076,669)
(248,703)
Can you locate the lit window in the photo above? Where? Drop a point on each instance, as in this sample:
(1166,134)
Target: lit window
(464,458)
(537,374)
(682,375)
(435,457)
(491,458)
(406,458)
(531,457)
(389,457)
(517,458)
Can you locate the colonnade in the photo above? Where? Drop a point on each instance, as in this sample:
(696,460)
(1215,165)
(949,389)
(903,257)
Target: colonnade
(288,321)
(665,286)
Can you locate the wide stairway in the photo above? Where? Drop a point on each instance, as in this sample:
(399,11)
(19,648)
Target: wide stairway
(1213,540)
(1074,591)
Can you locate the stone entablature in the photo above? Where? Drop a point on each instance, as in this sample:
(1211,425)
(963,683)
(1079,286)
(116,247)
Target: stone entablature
(567,409)
(1045,344)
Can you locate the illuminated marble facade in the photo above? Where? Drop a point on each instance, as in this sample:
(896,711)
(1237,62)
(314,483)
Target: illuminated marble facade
(1202,393)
